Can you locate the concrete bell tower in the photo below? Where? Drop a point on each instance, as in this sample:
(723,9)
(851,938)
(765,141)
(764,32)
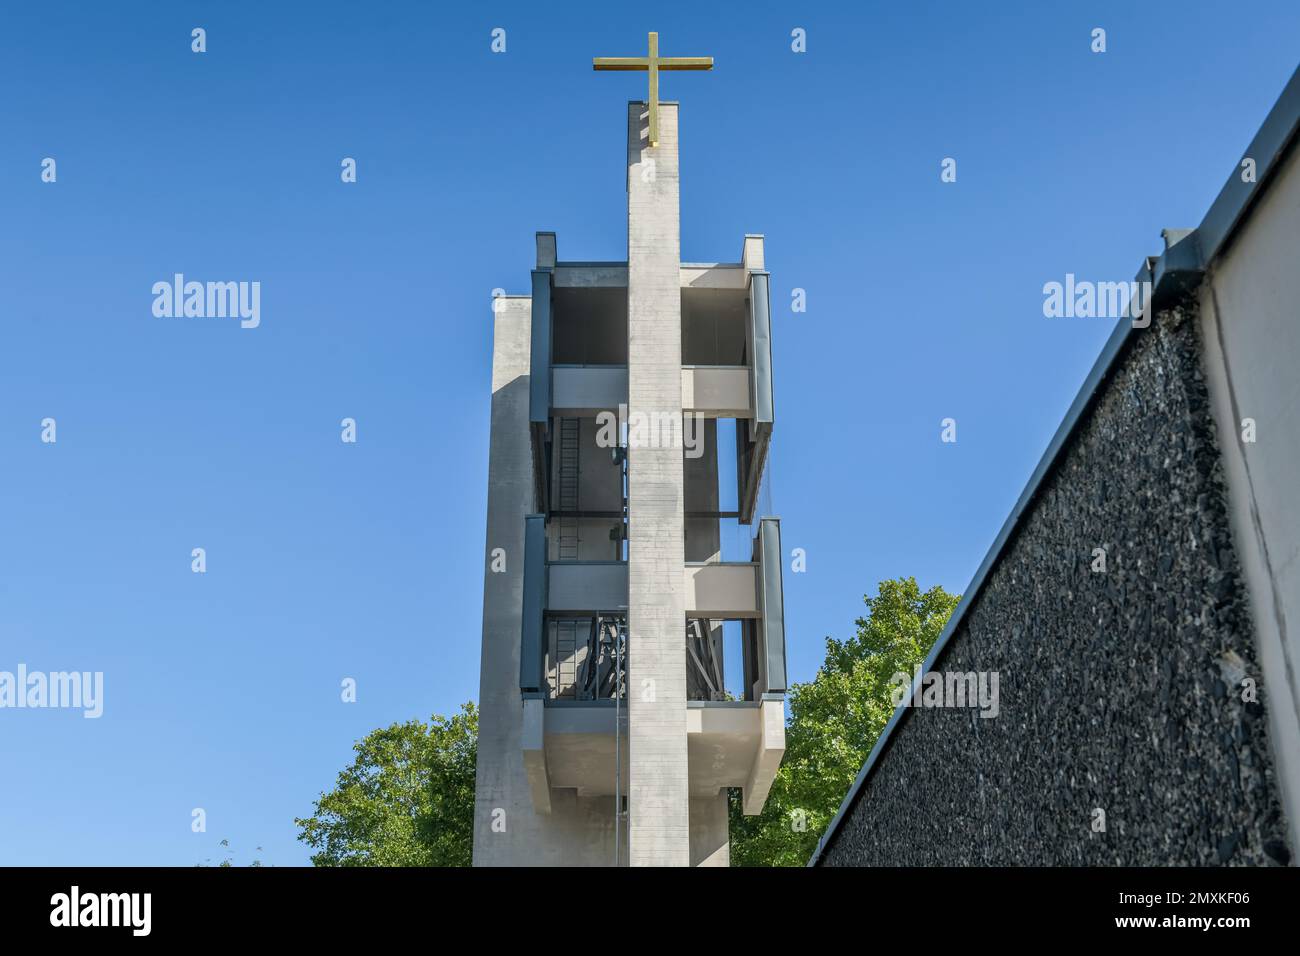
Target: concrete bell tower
(630,675)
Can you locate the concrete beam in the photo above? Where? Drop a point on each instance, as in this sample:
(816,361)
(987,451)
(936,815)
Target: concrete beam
(717,392)
(722,590)
(580,748)
(533,739)
(582,391)
(692,275)
(591,275)
(767,759)
(587,586)
(713,275)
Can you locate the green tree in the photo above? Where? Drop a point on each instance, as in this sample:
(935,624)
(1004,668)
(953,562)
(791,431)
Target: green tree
(228,857)
(835,720)
(407,799)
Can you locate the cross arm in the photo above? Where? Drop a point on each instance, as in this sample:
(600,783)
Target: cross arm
(620,63)
(687,63)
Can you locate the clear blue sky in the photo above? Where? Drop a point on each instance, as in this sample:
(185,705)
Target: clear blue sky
(328,560)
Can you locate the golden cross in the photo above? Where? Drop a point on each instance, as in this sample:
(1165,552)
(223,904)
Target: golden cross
(653,64)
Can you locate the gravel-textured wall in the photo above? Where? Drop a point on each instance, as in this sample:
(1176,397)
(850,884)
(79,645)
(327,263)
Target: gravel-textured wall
(1118,690)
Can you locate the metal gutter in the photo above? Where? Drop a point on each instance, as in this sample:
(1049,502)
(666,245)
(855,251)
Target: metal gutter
(1187,255)
(1271,143)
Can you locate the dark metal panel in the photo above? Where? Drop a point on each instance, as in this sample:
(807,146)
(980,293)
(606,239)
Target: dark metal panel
(539,386)
(749,658)
(760,318)
(745,494)
(771,604)
(532,646)
(751,460)
(753,435)
(539,369)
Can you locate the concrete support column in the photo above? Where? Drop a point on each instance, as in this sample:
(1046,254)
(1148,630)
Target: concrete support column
(501,785)
(709,838)
(518,819)
(658,798)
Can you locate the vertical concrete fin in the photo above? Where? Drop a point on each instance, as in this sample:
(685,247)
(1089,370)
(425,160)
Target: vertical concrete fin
(658,798)
(546,251)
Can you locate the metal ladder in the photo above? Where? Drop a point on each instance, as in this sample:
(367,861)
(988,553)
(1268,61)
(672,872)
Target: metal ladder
(564,646)
(570,433)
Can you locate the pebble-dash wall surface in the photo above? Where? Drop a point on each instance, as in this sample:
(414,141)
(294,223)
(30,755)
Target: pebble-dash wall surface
(1119,690)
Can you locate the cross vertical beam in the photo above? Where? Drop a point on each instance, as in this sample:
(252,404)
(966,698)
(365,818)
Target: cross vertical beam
(653,68)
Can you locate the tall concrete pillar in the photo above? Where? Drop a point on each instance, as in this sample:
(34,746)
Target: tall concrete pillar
(510,828)
(658,797)
(500,790)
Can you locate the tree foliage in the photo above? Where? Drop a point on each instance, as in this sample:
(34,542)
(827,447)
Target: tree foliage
(228,857)
(407,799)
(835,720)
